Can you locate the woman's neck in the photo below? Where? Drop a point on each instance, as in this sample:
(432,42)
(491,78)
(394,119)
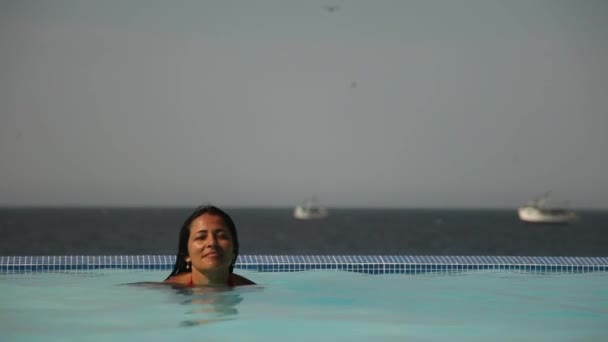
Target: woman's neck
(216,277)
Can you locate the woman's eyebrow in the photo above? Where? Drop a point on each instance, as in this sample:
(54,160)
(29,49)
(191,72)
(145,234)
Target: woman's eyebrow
(216,229)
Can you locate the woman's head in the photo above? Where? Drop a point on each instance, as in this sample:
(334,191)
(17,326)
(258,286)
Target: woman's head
(207,239)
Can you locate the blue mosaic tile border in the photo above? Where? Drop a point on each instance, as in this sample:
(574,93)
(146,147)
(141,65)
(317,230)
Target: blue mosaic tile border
(385,264)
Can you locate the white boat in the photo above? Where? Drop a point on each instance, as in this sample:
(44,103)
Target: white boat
(310,210)
(537,211)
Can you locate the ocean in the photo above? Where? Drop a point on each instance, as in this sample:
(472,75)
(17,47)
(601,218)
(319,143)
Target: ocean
(264,231)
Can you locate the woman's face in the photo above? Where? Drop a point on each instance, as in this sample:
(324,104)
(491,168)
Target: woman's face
(210,245)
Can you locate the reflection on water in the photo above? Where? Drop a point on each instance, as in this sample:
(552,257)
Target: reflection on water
(205,304)
(210,304)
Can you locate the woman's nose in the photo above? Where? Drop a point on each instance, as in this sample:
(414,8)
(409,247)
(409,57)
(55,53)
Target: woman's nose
(212,242)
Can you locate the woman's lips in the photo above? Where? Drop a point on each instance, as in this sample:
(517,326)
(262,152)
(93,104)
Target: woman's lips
(211,255)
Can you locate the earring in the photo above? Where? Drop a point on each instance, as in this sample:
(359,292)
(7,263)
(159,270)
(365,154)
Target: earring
(187,265)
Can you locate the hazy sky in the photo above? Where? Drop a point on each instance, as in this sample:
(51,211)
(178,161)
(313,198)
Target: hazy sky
(455,103)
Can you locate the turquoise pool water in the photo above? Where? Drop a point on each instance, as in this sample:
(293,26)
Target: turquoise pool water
(300,306)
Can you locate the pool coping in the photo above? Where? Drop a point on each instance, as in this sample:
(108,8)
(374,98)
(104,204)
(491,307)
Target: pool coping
(371,264)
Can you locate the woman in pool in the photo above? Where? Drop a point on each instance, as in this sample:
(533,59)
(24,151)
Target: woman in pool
(208,248)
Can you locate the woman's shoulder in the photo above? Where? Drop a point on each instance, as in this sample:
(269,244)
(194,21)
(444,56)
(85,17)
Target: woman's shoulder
(182,279)
(237,280)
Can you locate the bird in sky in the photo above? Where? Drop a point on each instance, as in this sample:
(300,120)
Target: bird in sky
(331,8)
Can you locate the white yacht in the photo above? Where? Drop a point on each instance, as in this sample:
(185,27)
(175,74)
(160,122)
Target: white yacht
(310,210)
(537,211)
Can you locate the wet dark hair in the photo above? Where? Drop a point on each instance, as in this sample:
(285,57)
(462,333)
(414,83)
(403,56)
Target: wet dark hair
(184,235)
